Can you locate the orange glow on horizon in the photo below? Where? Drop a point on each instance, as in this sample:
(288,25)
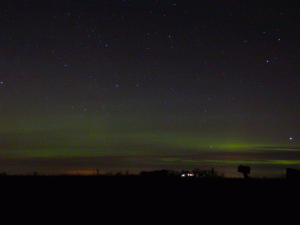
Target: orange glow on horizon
(83,172)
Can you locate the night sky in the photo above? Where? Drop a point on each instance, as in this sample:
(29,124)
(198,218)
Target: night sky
(143,85)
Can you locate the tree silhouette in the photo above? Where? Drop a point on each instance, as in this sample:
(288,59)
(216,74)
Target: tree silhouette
(245,170)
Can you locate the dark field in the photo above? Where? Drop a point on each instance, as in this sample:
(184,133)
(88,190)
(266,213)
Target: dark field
(145,185)
(128,195)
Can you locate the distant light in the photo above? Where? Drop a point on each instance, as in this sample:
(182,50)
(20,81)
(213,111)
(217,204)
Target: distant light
(187,175)
(291,138)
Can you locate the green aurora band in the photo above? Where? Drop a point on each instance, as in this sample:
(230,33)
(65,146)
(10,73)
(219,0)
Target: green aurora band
(67,137)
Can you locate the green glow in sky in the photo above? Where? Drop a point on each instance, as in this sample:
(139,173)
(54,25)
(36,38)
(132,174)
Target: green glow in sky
(87,92)
(138,141)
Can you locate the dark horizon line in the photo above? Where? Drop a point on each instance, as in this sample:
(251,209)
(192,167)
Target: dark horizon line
(151,174)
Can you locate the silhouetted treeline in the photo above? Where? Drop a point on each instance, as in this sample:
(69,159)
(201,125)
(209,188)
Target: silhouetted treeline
(155,173)
(291,174)
(196,173)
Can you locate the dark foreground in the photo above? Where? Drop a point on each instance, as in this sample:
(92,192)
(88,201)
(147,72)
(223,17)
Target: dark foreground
(127,198)
(137,185)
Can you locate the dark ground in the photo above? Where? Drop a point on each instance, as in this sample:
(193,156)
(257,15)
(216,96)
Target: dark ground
(127,198)
(117,185)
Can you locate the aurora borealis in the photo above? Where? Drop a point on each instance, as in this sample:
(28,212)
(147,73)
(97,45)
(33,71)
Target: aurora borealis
(125,85)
